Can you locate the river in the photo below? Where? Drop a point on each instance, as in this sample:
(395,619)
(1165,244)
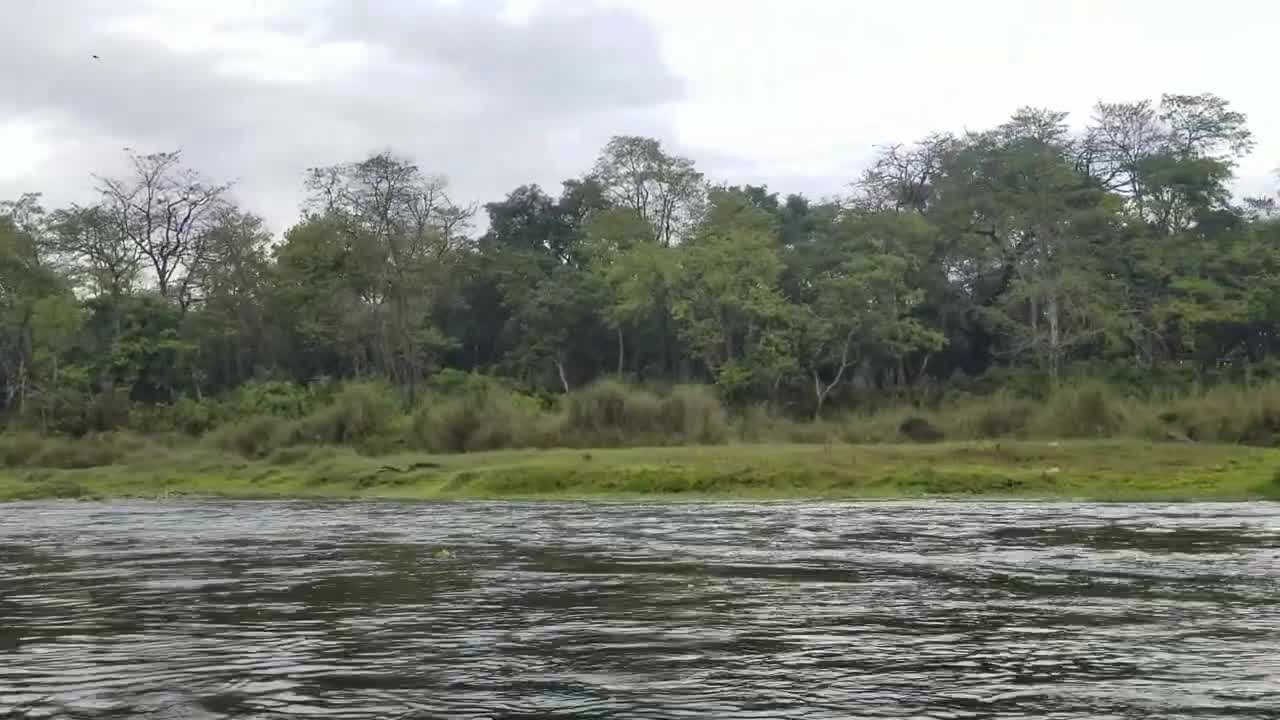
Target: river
(214,609)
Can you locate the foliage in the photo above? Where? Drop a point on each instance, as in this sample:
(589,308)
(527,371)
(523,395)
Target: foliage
(609,414)
(1015,263)
(478,418)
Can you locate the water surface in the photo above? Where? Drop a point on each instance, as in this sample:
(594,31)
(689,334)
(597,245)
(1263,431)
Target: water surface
(507,610)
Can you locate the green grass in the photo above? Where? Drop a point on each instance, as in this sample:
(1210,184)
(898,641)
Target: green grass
(1086,469)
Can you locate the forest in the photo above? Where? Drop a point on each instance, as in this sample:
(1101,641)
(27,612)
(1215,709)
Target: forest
(1010,263)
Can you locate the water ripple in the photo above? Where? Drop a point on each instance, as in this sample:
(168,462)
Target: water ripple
(214,610)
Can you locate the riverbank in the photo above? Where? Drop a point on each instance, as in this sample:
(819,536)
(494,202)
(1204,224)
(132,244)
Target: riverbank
(1095,470)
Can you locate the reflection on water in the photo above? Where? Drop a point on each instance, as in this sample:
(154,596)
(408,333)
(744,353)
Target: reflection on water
(925,609)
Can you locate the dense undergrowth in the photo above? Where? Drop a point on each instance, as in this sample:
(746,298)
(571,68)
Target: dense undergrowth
(461,413)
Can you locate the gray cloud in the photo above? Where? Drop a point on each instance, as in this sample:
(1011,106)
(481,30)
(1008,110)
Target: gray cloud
(490,103)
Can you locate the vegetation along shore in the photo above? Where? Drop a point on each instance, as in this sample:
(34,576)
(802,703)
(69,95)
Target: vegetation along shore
(1053,307)
(611,441)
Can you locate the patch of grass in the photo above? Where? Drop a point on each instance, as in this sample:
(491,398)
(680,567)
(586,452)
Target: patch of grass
(1090,469)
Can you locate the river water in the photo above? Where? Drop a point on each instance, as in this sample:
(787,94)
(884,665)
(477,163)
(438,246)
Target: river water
(510,610)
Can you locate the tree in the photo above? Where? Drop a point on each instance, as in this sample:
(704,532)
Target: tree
(863,300)
(233,326)
(105,261)
(665,191)
(27,289)
(901,178)
(1172,163)
(401,234)
(552,321)
(637,276)
(1044,224)
(165,211)
(728,303)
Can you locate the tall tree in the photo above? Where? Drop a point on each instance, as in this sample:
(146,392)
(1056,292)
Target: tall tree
(1044,224)
(664,190)
(165,210)
(729,303)
(401,233)
(863,301)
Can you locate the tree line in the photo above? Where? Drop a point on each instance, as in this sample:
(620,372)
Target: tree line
(1028,253)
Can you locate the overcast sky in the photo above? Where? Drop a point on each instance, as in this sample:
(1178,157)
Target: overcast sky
(495,94)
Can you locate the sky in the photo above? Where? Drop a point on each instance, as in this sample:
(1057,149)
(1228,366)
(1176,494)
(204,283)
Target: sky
(494,94)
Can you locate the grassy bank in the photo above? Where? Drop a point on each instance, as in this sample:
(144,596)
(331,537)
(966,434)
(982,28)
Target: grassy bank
(1100,470)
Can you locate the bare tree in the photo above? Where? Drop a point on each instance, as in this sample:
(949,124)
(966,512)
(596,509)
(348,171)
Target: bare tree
(902,178)
(165,211)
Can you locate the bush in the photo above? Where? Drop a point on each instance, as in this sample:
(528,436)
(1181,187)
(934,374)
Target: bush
(695,414)
(609,413)
(875,426)
(479,419)
(90,451)
(108,411)
(1088,410)
(68,453)
(1243,415)
(19,449)
(919,429)
(185,415)
(359,412)
(759,423)
(252,437)
(271,397)
(1001,415)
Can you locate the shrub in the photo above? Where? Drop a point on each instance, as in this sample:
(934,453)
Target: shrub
(880,426)
(271,397)
(186,415)
(760,424)
(694,413)
(757,424)
(96,450)
(360,411)
(194,417)
(1001,415)
(609,413)
(20,448)
(1244,415)
(919,429)
(609,410)
(1087,410)
(107,411)
(479,419)
(252,437)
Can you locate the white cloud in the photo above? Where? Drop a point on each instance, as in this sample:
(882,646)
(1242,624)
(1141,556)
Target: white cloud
(803,90)
(496,94)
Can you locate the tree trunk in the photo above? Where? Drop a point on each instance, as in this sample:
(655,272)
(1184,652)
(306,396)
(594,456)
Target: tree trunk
(564,381)
(22,385)
(621,352)
(1054,339)
(821,395)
